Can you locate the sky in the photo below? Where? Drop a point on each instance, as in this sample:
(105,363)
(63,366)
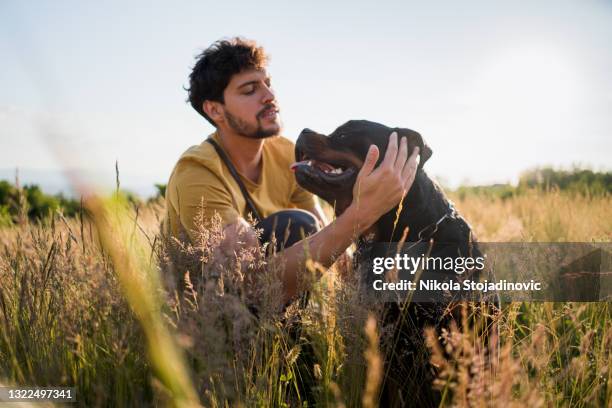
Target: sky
(495,88)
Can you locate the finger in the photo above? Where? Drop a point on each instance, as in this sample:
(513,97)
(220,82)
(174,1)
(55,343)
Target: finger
(410,168)
(402,154)
(369,162)
(391,153)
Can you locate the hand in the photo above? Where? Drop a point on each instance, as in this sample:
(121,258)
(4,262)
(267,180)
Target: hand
(377,191)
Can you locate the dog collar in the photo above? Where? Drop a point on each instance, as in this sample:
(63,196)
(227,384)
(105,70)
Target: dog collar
(452,213)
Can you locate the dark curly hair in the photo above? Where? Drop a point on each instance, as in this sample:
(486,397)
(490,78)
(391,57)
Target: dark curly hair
(215,67)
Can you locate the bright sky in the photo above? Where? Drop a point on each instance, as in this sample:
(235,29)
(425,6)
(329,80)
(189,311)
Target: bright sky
(494,87)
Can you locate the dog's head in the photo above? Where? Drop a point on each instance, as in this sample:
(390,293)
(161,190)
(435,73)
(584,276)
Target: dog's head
(328,165)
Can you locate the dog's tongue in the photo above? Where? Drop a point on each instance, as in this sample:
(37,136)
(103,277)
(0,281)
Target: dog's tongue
(299,163)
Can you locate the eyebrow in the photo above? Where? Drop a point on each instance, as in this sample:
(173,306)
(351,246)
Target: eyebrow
(248,83)
(254,82)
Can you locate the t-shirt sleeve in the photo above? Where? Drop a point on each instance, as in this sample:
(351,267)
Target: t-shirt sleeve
(196,190)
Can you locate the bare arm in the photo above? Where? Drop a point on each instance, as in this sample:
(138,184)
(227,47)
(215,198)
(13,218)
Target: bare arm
(376,191)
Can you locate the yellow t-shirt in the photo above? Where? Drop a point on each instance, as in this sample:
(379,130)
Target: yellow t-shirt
(201,176)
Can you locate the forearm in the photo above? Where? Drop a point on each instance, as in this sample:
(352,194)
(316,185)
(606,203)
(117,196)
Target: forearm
(322,247)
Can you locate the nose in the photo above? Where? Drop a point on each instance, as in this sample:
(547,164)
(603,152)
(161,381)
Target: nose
(268,95)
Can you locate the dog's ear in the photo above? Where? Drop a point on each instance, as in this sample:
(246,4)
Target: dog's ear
(415,139)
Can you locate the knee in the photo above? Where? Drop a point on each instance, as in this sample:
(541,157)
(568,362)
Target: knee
(288,227)
(300,219)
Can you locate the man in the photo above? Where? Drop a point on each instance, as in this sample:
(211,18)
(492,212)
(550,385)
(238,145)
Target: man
(230,87)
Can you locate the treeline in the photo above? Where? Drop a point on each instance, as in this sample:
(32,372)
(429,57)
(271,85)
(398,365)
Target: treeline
(29,201)
(32,203)
(579,181)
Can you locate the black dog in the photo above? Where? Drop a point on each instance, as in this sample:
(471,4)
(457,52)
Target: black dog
(328,166)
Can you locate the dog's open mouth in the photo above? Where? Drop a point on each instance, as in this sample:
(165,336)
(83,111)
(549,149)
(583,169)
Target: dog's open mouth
(325,170)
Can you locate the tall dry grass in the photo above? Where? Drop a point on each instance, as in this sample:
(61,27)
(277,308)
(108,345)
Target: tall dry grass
(63,318)
(81,304)
(536,216)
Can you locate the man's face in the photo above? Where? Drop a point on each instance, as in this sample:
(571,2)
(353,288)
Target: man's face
(250,108)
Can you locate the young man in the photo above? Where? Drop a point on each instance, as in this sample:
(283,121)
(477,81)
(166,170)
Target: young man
(229,87)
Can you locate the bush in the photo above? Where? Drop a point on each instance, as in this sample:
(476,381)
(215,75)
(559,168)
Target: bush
(575,181)
(581,181)
(5,217)
(32,201)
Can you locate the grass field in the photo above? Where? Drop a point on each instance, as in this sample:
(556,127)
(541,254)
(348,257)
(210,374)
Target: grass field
(82,304)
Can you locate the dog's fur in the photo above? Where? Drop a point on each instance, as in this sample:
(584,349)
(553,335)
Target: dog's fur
(346,148)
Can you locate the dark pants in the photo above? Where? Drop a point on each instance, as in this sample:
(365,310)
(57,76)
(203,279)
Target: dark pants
(288,227)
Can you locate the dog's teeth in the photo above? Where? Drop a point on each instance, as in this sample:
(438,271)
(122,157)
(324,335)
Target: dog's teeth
(333,171)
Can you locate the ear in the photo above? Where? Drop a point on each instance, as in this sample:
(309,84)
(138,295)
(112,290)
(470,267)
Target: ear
(214,110)
(415,139)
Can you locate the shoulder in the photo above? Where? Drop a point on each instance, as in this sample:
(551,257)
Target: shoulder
(199,162)
(202,154)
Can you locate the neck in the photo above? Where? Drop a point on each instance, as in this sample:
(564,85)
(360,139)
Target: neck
(244,152)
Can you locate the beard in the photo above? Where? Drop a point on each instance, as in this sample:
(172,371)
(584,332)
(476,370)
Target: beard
(245,129)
